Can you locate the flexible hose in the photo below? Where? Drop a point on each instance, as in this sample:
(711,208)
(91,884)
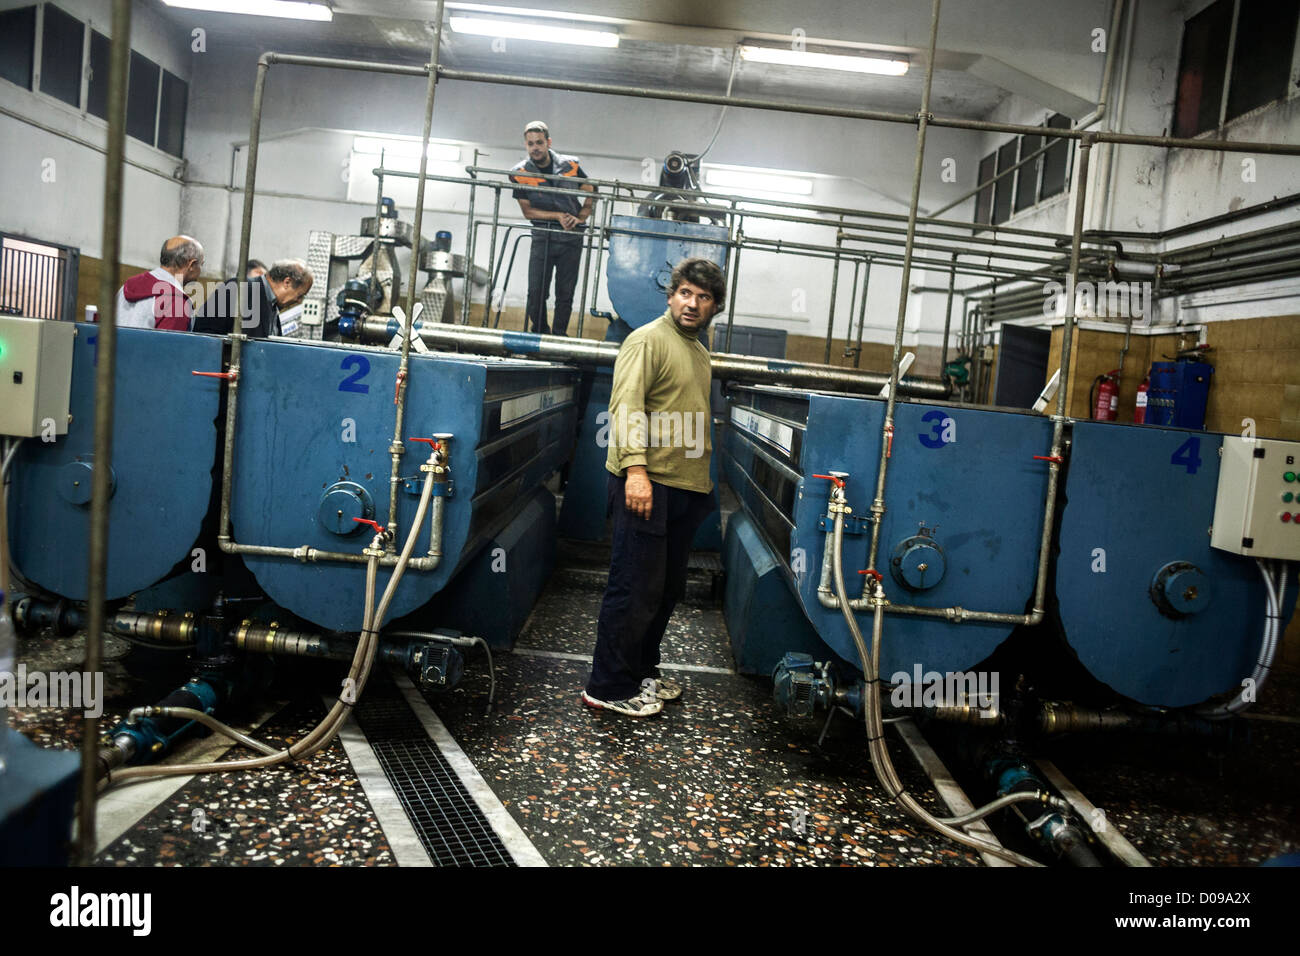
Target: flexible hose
(880,759)
(1274,599)
(207,720)
(359,672)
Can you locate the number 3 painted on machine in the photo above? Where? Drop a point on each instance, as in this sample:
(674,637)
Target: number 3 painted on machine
(935,440)
(1188,455)
(353,382)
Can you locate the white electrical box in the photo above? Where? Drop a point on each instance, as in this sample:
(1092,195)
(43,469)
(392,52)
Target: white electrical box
(1257,507)
(35,376)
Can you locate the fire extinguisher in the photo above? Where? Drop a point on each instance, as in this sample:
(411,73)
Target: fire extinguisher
(1140,410)
(1106,407)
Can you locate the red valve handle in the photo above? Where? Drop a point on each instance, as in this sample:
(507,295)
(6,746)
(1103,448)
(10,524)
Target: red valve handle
(874,573)
(374,524)
(839,482)
(397,388)
(1056,458)
(889,450)
(432,441)
(225,375)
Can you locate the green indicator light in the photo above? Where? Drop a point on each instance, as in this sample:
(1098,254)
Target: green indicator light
(1288,496)
(1289,476)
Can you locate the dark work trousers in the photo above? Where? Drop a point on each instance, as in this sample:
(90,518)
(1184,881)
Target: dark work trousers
(647,577)
(559,251)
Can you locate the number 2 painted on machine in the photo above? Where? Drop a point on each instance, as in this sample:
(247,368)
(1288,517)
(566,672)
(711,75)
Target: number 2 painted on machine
(353,382)
(1188,455)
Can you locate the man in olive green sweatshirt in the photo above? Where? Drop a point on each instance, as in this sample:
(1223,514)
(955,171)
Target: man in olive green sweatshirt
(658,428)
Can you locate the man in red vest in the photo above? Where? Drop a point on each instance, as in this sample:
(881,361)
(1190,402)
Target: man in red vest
(156,299)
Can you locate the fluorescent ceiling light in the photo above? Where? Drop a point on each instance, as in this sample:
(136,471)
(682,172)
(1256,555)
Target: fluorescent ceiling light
(525,12)
(287,9)
(765,182)
(518,30)
(825,61)
(444,152)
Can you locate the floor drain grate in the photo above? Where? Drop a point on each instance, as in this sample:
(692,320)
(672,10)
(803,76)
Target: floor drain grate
(446,818)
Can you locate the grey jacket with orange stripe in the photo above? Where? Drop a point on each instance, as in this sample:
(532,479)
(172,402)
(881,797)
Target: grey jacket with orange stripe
(527,174)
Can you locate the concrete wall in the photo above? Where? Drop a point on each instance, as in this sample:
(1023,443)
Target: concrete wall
(52,164)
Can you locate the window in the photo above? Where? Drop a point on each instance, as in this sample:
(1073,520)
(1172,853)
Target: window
(97,85)
(984,198)
(171,114)
(1253,40)
(142,98)
(1027,176)
(1266,34)
(1005,185)
(1056,161)
(18,45)
(62,40)
(1039,178)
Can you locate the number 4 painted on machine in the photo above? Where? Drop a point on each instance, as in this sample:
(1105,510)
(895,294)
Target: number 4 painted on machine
(1188,455)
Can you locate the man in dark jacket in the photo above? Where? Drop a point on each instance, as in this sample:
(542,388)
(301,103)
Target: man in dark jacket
(558,222)
(257,302)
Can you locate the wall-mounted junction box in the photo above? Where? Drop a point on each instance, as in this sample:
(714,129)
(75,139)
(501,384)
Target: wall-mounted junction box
(35,375)
(1257,507)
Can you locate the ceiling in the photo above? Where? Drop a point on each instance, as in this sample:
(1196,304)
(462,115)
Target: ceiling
(687,46)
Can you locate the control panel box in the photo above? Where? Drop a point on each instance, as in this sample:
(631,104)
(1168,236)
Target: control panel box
(35,376)
(1257,506)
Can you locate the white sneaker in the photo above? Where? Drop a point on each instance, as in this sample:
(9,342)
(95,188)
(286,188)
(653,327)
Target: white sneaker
(661,688)
(638,706)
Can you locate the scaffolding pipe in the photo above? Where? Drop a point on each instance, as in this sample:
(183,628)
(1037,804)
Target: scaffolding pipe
(830,318)
(758,103)
(887,433)
(105,382)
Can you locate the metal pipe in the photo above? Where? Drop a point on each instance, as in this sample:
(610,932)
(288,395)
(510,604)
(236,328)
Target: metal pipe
(587,237)
(887,433)
(745,102)
(735,281)
(853,304)
(105,395)
(397,449)
(608,210)
(835,282)
(559,348)
(335,63)
(947,314)
(469,233)
(510,267)
(492,259)
(224,539)
(862,314)
(615,185)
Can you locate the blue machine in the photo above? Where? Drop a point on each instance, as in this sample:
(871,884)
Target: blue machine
(1150,608)
(311,453)
(642,255)
(1178,394)
(964,490)
(164,448)
(1146,605)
